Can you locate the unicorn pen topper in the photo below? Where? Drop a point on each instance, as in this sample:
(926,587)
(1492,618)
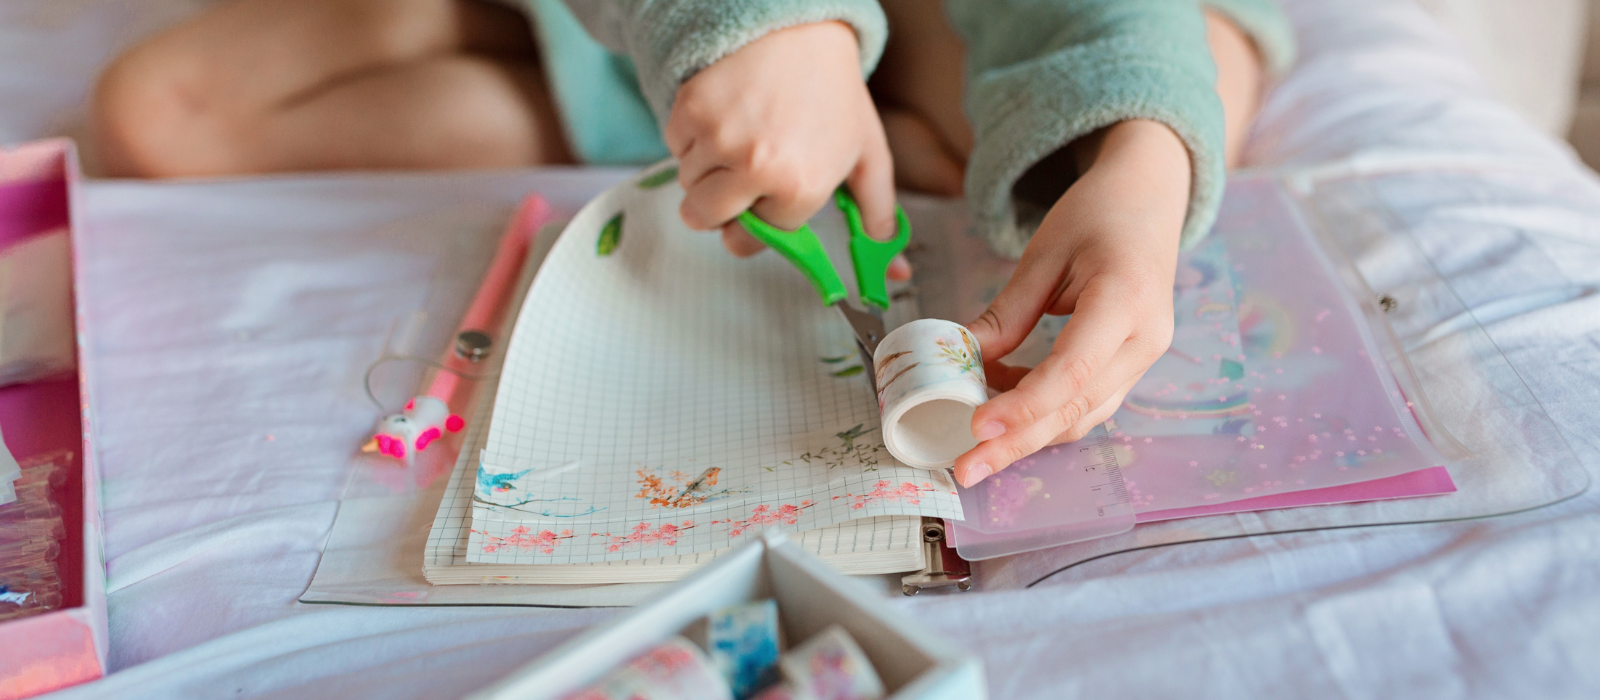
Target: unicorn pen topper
(427,417)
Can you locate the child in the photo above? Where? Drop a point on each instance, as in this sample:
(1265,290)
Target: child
(1099,131)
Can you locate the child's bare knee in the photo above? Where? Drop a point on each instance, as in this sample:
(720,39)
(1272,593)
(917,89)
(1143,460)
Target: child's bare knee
(487,116)
(154,117)
(399,30)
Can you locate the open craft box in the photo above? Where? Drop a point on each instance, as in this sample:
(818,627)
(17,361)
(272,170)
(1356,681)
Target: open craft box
(49,420)
(811,597)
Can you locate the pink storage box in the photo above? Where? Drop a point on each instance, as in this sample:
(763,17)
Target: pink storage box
(50,419)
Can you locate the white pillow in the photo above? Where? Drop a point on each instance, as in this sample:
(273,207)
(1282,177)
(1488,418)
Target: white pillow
(1529,51)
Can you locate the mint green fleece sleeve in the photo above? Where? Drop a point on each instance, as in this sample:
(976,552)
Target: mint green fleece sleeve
(671,40)
(1042,73)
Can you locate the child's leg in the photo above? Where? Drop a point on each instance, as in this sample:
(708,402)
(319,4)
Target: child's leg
(278,85)
(1239,81)
(919,83)
(918,87)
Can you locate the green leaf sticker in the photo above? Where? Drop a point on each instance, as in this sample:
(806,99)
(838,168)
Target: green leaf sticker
(850,371)
(610,237)
(659,178)
(835,360)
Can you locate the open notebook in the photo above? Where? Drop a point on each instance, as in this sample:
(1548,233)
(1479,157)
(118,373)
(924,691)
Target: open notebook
(660,402)
(882,544)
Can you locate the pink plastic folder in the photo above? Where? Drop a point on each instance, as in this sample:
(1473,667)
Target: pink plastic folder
(1275,394)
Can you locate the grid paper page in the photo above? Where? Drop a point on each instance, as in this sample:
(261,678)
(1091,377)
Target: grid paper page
(448,539)
(660,398)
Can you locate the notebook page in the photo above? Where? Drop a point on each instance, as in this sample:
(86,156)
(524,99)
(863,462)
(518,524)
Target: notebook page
(661,398)
(447,542)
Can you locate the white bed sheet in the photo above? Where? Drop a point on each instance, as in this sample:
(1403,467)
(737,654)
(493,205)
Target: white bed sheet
(212,330)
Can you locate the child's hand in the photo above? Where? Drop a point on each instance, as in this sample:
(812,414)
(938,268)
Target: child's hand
(1106,253)
(776,126)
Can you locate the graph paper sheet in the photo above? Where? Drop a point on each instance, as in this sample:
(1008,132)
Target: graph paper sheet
(661,398)
(869,545)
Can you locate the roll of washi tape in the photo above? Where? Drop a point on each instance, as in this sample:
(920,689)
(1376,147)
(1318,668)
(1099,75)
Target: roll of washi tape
(743,641)
(930,379)
(781,690)
(831,666)
(674,670)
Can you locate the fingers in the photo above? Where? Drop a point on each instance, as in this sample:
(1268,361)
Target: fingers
(899,269)
(1074,419)
(1086,345)
(872,185)
(739,242)
(1095,356)
(717,199)
(788,204)
(921,162)
(1004,377)
(715,194)
(1099,415)
(721,180)
(1016,310)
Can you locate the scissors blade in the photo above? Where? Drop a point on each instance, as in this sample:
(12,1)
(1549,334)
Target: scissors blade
(868,327)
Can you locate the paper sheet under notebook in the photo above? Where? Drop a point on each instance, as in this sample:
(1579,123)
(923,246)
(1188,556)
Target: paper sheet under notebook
(660,398)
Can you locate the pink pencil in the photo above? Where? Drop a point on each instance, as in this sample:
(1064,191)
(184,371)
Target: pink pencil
(427,415)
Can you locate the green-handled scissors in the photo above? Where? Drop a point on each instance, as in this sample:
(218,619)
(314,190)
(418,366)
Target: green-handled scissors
(869,257)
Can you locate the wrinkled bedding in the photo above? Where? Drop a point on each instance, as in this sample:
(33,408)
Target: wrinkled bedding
(230,321)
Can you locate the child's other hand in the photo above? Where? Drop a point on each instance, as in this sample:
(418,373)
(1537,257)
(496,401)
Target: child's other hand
(776,126)
(1106,253)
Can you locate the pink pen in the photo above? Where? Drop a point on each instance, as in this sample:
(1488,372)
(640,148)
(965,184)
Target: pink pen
(427,416)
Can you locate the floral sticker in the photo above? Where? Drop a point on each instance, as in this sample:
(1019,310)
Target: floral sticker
(851,451)
(678,489)
(882,369)
(967,358)
(906,492)
(523,539)
(786,514)
(499,483)
(644,534)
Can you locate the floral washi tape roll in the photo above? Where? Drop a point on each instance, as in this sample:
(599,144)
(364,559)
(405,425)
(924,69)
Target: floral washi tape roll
(780,691)
(743,642)
(831,666)
(930,379)
(674,670)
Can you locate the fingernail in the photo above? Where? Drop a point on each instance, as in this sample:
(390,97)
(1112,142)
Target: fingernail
(976,473)
(990,431)
(899,268)
(882,230)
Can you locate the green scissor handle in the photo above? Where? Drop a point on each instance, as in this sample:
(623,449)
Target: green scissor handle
(803,249)
(871,258)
